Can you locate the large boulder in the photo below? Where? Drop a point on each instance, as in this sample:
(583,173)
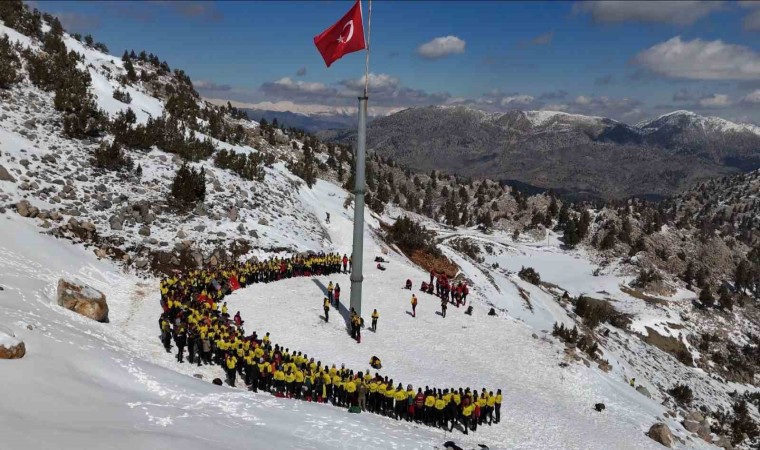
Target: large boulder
(5,175)
(10,347)
(82,299)
(661,433)
(643,391)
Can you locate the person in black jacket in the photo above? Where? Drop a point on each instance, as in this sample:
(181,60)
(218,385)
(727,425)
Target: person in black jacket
(181,340)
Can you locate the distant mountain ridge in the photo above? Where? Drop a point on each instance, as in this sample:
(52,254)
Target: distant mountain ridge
(586,156)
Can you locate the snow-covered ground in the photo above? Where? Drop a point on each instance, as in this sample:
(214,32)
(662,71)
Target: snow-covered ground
(123,390)
(86,384)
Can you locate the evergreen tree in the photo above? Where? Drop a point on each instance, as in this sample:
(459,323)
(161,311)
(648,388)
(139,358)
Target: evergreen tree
(706,298)
(188,187)
(10,64)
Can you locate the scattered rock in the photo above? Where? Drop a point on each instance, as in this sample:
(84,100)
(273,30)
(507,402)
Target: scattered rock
(5,175)
(10,347)
(643,391)
(233,214)
(217,381)
(144,231)
(691,425)
(263,221)
(83,300)
(141,263)
(696,416)
(600,407)
(724,443)
(200,227)
(198,376)
(181,234)
(661,433)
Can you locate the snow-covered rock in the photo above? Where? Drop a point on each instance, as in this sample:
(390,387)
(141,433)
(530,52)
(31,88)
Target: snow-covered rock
(82,299)
(11,347)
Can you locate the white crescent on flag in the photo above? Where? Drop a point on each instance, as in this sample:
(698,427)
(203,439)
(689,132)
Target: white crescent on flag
(350,32)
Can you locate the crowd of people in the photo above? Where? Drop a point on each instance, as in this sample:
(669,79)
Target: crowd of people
(195,317)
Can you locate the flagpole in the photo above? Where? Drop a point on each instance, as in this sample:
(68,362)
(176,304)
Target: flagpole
(359,186)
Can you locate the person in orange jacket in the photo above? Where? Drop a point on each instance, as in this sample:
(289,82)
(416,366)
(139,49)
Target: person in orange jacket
(414,305)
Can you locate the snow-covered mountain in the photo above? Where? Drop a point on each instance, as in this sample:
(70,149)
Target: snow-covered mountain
(575,154)
(64,213)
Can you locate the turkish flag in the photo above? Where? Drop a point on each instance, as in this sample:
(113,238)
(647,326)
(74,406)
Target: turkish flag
(346,36)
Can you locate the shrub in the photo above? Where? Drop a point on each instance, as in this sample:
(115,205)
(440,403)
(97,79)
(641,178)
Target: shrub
(742,424)
(122,96)
(249,167)
(646,277)
(682,394)
(409,236)
(593,312)
(530,275)
(188,187)
(111,157)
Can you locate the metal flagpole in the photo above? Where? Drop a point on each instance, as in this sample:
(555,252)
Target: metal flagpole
(359,186)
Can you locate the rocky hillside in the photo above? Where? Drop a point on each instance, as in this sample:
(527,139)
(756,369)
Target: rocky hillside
(581,156)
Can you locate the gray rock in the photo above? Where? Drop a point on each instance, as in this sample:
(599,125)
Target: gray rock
(181,234)
(660,432)
(200,227)
(81,177)
(643,391)
(233,214)
(5,175)
(141,263)
(22,208)
(724,443)
(144,231)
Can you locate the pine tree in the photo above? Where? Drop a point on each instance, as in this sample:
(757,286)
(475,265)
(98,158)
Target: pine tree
(9,64)
(706,298)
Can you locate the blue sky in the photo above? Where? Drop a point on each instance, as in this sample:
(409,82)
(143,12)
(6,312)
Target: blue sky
(625,60)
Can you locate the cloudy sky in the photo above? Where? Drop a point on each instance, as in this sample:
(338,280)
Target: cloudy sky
(626,60)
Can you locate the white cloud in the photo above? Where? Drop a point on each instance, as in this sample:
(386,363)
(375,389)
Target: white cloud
(715,101)
(701,60)
(300,86)
(517,100)
(752,97)
(440,47)
(582,100)
(376,81)
(669,12)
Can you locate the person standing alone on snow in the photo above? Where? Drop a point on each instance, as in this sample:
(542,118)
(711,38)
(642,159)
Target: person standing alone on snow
(414,305)
(326,306)
(345,262)
(375,316)
(330,289)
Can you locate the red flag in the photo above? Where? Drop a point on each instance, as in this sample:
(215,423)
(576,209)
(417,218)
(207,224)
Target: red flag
(346,36)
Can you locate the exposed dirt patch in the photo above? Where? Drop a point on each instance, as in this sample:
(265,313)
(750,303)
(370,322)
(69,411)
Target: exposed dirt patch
(669,345)
(438,264)
(642,296)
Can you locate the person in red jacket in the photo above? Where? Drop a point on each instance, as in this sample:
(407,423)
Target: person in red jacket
(419,405)
(345,263)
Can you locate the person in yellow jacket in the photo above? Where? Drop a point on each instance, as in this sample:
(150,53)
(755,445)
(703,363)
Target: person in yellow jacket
(401,407)
(497,405)
(439,405)
(429,407)
(490,405)
(326,308)
(350,387)
(380,397)
(231,364)
(279,381)
(290,379)
(390,394)
(467,416)
(375,316)
(414,305)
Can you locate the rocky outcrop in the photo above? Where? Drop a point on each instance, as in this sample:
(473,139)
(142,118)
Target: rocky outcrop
(661,433)
(82,299)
